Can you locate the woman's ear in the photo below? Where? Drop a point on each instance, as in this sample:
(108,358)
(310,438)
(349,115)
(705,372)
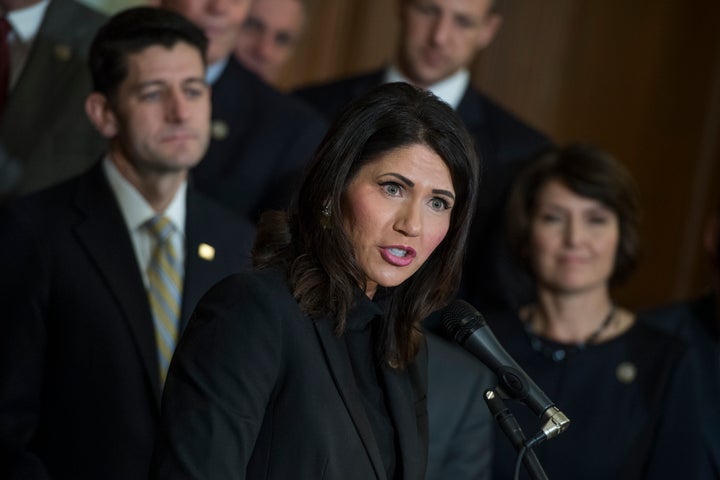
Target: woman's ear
(97,108)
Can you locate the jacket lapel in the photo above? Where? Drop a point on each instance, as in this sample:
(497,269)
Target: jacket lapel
(232,107)
(405,393)
(55,54)
(339,364)
(104,235)
(473,113)
(200,272)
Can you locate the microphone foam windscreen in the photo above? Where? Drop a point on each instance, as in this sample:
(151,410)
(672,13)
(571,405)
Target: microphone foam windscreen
(460,320)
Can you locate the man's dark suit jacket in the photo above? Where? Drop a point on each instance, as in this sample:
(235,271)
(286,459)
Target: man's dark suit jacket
(79,388)
(262,141)
(258,390)
(44,127)
(696,323)
(493,279)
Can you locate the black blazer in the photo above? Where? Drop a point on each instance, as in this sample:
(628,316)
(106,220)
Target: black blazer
(258,390)
(79,390)
(261,142)
(493,278)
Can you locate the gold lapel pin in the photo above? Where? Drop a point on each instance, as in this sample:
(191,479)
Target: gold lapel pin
(206,252)
(626,372)
(63,52)
(219,129)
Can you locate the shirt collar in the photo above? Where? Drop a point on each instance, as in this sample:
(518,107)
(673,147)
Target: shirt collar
(26,21)
(214,71)
(449,90)
(135,209)
(364,310)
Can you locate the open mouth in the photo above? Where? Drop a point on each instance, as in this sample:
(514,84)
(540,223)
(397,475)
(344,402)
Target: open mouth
(398,256)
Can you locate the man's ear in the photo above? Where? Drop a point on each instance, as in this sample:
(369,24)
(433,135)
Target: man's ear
(97,108)
(488,30)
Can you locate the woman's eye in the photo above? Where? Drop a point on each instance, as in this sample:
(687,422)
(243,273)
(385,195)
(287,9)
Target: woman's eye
(392,188)
(439,204)
(598,220)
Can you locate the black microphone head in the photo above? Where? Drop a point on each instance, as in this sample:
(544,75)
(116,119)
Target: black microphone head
(460,320)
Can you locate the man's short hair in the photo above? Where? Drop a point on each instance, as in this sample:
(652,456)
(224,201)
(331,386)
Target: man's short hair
(132,31)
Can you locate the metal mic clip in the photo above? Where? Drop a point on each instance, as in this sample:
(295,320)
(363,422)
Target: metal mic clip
(557,422)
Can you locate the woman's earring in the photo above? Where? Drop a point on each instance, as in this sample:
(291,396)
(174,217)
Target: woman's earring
(325,218)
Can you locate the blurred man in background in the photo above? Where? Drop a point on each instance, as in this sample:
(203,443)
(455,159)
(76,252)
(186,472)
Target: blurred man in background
(269,35)
(261,138)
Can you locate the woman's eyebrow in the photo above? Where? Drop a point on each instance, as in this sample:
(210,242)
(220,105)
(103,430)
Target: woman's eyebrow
(404,179)
(410,183)
(444,192)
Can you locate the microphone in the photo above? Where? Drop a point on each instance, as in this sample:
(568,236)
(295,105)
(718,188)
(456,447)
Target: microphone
(468,328)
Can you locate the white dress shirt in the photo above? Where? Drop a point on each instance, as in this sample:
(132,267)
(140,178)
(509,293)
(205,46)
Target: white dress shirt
(137,211)
(450,90)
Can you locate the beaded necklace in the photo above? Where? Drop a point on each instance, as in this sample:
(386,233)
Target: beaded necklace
(558,352)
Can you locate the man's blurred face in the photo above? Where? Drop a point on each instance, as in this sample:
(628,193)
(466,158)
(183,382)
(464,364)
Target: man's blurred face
(269,35)
(440,37)
(219,19)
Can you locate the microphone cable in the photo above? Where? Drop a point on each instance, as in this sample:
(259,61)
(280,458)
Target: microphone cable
(521,454)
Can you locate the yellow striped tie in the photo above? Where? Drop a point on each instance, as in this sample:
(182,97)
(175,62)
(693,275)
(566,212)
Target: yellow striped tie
(165,290)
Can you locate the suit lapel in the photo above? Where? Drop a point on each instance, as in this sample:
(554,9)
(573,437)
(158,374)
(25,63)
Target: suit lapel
(104,235)
(193,266)
(472,112)
(54,55)
(339,364)
(200,273)
(401,405)
(232,107)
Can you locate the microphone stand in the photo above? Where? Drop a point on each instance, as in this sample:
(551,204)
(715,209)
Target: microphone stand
(512,430)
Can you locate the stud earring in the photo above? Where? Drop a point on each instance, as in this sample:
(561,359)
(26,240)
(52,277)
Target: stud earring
(325,222)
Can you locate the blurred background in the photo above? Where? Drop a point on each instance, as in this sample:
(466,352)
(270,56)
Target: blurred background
(638,78)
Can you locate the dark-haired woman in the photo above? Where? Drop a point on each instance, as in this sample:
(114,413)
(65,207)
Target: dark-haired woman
(313,366)
(572,218)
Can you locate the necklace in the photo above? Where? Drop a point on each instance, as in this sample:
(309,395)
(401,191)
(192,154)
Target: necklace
(557,351)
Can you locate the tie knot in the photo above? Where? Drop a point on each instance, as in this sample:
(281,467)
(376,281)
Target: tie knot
(160,227)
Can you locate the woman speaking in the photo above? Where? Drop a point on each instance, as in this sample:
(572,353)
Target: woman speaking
(313,365)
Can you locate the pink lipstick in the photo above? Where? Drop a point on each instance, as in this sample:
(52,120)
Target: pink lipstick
(398,255)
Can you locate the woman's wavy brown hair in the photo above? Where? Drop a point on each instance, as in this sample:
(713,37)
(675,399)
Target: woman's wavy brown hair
(313,247)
